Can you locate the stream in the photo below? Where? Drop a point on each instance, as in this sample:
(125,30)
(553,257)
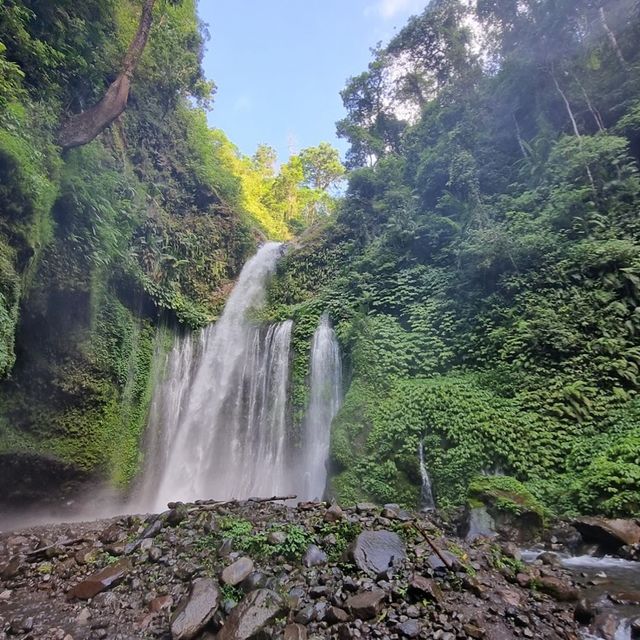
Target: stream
(611,585)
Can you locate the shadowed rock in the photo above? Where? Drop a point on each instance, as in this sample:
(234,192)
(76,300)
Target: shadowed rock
(366,605)
(255,612)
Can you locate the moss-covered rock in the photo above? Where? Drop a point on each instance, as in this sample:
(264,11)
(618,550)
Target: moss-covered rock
(513,508)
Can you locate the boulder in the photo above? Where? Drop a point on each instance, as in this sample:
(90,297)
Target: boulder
(314,556)
(504,504)
(559,589)
(255,611)
(104,579)
(366,605)
(375,552)
(237,572)
(611,534)
(196,610)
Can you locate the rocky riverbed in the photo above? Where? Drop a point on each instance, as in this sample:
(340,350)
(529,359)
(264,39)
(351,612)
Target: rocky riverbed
(252,569)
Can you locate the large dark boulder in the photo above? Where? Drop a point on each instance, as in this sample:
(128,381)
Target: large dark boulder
(609,534)
(375,552)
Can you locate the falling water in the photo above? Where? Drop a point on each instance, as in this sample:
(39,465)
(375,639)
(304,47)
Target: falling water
(218,422)
(324,402)
(426,494)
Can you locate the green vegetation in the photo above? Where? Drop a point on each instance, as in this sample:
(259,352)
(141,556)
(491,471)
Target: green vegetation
(483,271)
(144,226)
(244,538)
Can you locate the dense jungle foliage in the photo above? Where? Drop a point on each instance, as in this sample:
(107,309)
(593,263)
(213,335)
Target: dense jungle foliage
(483,270)
(148,224)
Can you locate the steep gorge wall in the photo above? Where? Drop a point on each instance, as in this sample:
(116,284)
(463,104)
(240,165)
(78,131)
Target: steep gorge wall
(100,245)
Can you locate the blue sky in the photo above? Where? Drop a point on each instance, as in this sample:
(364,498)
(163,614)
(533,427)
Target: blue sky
(280,64)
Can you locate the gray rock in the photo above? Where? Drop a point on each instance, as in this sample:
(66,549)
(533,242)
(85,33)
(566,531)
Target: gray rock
(255,612)
(410,628)
(237,572)
(314,557)
(374,552)
(276,537)
(196,610)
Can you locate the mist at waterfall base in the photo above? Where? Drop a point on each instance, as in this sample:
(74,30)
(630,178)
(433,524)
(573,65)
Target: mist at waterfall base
(219,421)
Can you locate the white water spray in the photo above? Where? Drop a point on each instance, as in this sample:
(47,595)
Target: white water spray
(218,420)
(324,403)
(426,493)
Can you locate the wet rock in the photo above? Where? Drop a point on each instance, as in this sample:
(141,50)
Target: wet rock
(611,534)
(255,611)
(237,572)
(333,514)
(177,514)
(375,552)
(314,557)
(559,589)
(626,598)
(549,558)
(366,605)
(634,627)
(196,610)
(584,613)
(295,632)
(605,626)
(104,579)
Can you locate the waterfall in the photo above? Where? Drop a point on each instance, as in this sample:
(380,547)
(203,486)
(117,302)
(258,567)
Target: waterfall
(217,425)
(426,493)
(325,397)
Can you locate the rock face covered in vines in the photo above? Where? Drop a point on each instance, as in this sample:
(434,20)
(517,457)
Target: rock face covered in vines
(483,271)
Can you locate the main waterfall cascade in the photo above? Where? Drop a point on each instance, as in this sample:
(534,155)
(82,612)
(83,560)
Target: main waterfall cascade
(218,420)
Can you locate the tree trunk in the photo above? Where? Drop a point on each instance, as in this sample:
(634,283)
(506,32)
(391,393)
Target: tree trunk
(82,128)
(576,131)
(594,112)
(612,38)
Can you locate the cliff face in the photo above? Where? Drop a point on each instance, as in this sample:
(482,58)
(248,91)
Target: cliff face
(98,244)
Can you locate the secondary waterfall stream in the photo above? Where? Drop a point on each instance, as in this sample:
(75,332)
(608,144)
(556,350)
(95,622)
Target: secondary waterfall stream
(218,426)
(324,402)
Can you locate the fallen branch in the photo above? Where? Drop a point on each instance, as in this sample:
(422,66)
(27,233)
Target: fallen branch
(432,544)
(210,505)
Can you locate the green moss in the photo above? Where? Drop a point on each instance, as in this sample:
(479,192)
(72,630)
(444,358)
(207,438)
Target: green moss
(504,494)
